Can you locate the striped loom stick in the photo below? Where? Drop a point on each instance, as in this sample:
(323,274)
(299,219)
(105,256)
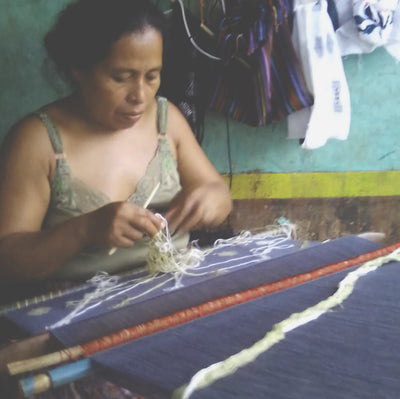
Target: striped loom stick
(188,314)
(58,293)
(40,298)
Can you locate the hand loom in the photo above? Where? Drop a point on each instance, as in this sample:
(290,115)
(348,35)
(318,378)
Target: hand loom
(237,296)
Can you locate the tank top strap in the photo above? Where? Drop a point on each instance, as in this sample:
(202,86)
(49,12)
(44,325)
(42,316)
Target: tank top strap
(53,132)
(162,115)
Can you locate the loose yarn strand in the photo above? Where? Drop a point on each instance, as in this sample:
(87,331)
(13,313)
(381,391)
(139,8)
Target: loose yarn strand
(216,371)
(130,299)
(163,258)
(103,283)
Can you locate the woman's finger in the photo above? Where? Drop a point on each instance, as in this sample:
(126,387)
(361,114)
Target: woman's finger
(146,224)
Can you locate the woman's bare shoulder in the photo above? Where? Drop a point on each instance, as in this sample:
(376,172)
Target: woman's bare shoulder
(29,129)
(177,126)
(28,139)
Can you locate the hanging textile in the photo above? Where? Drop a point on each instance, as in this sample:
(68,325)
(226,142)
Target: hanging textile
(315,41)
(260,79)
(333,13)
(187,75)
(367,25)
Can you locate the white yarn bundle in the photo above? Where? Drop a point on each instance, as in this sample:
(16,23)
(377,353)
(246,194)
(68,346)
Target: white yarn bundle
(163,257)
(165,264)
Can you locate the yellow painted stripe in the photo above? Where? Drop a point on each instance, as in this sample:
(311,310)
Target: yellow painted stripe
(315,185)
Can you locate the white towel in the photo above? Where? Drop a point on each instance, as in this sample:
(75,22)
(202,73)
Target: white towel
(366,25)
(316,45)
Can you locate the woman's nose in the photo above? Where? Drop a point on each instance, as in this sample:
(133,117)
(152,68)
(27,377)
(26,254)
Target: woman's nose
(136,93)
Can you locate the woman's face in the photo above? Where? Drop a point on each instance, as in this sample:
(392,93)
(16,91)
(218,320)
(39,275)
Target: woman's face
(120,89)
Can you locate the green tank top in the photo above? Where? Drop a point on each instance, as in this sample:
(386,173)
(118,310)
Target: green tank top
(71,197)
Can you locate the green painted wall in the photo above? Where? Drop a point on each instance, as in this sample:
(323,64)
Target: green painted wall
(373,143)
(374,82)
(24,87)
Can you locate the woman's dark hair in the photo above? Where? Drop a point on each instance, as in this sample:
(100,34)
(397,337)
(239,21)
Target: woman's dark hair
(86,29)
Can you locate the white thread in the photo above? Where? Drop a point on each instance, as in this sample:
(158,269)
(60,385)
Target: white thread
(103,283)
(100,296)
(130,299)
(216,371)
(164,259)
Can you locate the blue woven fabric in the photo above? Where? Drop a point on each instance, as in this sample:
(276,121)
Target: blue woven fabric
(105,319)
(351,352)
(287,262)
(156,365)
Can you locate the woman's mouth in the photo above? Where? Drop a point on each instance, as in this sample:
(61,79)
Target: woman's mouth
(132,117)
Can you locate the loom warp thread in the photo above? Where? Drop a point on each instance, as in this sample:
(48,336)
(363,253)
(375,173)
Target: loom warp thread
(103,283)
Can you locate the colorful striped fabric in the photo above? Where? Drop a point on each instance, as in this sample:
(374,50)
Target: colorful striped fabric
(260,80)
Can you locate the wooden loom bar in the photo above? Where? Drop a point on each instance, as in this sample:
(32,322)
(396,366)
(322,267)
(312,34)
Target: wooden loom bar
(186,315)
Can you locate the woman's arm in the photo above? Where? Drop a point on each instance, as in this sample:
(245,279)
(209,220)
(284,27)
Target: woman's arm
(205,198)
(26,251)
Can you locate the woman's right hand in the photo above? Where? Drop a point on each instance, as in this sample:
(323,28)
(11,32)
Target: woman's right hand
(120,224)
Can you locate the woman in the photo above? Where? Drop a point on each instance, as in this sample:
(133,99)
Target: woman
(75,176)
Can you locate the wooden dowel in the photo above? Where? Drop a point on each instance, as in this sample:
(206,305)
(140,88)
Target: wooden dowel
(30,347)
(207,30)
(146,204)
(202,24)
(51,359)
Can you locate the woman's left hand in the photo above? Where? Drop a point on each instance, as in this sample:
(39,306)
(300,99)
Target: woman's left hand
(205,199)
(198,207)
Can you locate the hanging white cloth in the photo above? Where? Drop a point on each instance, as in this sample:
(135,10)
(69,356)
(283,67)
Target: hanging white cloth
(367,25)
(315,42)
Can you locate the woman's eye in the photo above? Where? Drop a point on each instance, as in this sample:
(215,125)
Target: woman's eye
(119,79)
(152,77)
